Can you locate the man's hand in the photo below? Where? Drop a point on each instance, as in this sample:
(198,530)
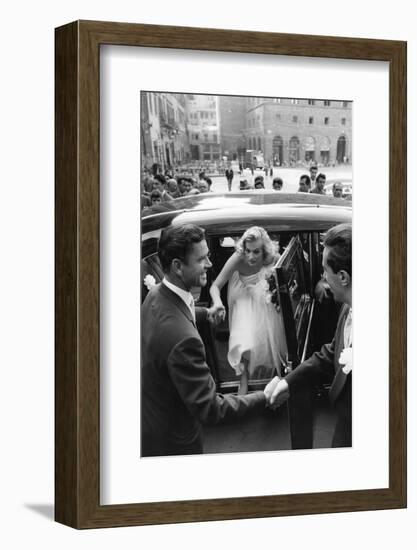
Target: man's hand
(216,314)
(276,392)
(270,387)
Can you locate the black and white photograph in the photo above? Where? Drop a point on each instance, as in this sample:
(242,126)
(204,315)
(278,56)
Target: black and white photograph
(246,273)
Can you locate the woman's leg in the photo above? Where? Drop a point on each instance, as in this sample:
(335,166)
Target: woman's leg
(244,378)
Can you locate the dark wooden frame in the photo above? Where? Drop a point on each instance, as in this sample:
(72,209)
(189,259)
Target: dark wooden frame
(77,372)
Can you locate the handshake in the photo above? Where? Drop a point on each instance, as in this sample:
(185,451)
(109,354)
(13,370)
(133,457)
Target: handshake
(276,392)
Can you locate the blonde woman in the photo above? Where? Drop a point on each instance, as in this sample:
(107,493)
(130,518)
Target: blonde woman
(257,340)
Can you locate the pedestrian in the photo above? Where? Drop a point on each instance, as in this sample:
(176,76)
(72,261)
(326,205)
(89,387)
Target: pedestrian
(172,188)
(318,189)
(304,184)
(203,186)
(229,177)
(313,173)
(337,190)
(156,197)
(259,182)
(160,184)
(277,184)
(185,185)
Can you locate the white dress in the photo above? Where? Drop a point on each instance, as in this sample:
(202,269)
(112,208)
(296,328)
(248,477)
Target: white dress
(255,325)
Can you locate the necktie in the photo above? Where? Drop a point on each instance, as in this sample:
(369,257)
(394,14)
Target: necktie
(192,307)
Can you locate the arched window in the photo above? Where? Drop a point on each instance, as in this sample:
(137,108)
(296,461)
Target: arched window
(325,150)
(294,151)
(277,150)
(341,149)
(310,148)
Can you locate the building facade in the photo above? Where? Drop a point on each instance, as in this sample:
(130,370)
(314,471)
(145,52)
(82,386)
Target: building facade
(294,131)
(180,128)
(203,119)
(164,139)
(233,111)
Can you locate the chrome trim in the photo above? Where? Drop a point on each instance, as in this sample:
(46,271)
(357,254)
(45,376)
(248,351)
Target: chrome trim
(303,357)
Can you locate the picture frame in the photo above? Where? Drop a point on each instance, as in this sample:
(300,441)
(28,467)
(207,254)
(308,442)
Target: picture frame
(77,294)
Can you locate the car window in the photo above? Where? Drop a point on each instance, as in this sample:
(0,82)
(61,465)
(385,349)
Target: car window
(292,281)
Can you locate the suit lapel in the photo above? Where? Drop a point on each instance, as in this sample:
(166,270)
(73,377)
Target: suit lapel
(172,297)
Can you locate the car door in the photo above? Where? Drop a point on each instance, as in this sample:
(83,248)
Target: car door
(293,281)
(293,284)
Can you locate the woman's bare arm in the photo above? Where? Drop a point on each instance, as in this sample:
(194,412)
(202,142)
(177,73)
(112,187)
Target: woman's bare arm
(229,267)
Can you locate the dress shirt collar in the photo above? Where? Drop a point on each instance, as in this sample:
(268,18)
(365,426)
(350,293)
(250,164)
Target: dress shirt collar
(185,295)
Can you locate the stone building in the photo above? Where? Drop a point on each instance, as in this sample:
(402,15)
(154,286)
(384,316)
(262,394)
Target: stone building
(203,119)
(164,139)
(293,131)
(232,126)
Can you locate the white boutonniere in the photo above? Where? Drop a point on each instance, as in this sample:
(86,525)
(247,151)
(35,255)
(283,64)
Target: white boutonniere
(345,359)
(149,281)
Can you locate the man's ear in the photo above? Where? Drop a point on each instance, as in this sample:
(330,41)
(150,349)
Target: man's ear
(344,277)
(176,266)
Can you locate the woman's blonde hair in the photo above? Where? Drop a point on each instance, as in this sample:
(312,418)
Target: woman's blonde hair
(270,247)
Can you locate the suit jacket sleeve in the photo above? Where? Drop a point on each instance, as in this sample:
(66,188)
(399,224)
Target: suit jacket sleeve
(191,377)
(200,315)
(319,368)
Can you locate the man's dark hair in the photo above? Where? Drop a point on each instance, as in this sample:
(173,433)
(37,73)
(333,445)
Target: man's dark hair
(338,240)
(278,181)
(161,178)
(184,178)
(321,175)
(176,242)
(156,194)
(307,178)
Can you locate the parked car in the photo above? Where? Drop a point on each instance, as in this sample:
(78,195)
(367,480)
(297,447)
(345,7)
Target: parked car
(298,222)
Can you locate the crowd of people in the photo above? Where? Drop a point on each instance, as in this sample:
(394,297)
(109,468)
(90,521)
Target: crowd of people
(160,187)
(178,392)
(157,188)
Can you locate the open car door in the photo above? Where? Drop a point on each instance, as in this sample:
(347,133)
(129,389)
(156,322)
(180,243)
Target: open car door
(293,285)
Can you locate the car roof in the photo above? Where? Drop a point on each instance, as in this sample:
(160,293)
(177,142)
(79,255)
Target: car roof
(228,213)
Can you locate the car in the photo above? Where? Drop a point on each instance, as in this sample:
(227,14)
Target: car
(298,222)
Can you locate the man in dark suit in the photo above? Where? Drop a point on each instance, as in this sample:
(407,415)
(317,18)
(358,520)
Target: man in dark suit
(318,189)
(229,176)
(178,392)
(333,363)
